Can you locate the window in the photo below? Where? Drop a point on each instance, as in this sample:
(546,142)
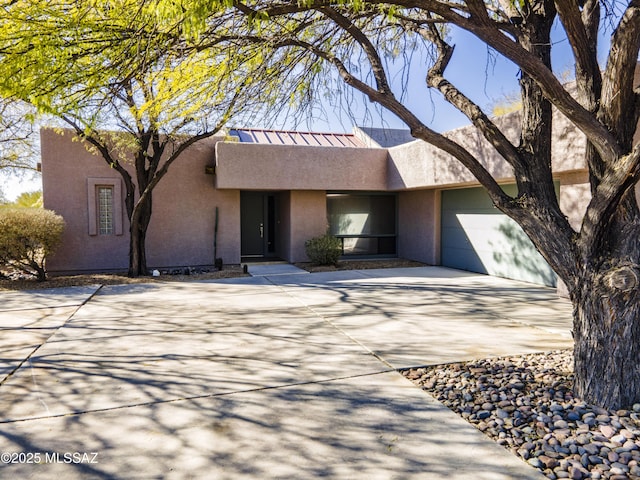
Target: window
(104,206)
(366,223)
(105,210)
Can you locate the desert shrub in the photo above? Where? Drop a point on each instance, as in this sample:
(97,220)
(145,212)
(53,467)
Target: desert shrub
(27,236)
(324,250)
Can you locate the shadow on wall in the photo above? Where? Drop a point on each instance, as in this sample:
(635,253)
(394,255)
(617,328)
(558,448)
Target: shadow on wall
(495,245)
(478,237)
(523,257)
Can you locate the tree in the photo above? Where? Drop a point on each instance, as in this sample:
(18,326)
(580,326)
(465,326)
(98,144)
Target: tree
(29,200)
(27,237)
(135,81)
(18,142)
(17,152)
(599,263)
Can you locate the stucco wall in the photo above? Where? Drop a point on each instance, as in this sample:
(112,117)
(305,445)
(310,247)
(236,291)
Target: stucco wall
(421,165)
(182,224)
(419,226)
(308,219)
(575,195)
(181,232)
(283,227)
(66,165)
(248,166)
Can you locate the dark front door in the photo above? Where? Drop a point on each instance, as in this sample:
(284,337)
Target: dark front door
(257,224)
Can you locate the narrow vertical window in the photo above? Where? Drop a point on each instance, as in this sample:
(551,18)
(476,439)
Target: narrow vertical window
(104,206)
(105,210)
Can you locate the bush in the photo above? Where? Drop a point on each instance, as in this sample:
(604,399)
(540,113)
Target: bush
(324,250)
(27,236)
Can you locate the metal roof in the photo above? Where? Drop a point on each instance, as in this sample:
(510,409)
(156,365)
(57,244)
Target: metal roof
(284,137)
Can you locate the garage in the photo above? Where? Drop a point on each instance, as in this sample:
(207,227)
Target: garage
(477,237)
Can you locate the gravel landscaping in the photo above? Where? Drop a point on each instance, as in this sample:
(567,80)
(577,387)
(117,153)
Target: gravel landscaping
(525,404)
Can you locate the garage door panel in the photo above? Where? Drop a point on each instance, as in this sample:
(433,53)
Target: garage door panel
(462,259)
(455,241)
(476,237)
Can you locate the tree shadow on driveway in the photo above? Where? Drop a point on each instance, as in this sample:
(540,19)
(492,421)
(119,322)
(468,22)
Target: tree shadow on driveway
(250,380)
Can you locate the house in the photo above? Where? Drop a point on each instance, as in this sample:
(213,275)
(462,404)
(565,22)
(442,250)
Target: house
(381,192)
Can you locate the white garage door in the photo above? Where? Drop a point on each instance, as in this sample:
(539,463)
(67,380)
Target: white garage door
(477,237)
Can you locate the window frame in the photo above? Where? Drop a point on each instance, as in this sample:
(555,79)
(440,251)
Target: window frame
(93,185)
(378,237)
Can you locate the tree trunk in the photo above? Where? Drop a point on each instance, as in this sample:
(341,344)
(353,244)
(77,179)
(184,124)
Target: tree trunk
(607,338)
(606,321)
(138,234)
(41,273)
(137,255)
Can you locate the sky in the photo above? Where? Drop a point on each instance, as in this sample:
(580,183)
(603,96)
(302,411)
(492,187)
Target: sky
(482,76)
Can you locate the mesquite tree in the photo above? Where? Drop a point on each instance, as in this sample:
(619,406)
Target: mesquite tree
(136,81)
(599,262)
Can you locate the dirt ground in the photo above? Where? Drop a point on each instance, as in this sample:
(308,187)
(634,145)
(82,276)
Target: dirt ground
(229,271)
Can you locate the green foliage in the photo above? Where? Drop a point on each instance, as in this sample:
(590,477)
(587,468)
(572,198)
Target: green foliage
(324,250)
(27,237)
(138,81)
(29,200)
(174,67)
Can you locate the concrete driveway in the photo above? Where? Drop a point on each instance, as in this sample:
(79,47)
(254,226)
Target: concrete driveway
(281,375)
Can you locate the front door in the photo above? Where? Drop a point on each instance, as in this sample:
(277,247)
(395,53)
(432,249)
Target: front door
(257,224)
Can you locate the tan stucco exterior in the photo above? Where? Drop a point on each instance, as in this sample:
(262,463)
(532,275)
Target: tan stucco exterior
(308,214)
(182,225)
(419,225)
(286,167)
(66,168)
(214,172)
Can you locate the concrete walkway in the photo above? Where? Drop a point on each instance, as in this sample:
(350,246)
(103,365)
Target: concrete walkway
(283,376)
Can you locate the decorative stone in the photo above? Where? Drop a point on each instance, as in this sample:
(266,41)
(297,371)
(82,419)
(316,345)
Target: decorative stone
(548,462)
(618,439)
(502,413)
(595,460)
(627,434)
(607,431)
(541,422)
(573,416)
(576,473)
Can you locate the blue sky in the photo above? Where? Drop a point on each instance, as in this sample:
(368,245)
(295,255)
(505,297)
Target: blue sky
(484,77)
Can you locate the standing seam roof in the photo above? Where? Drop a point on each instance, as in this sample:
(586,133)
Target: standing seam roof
(287,137)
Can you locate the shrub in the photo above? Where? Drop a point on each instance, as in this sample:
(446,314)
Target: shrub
(324,250)
(27,236)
